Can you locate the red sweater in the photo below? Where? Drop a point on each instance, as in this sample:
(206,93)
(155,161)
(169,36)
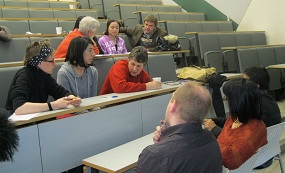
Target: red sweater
(63,47)
(239,144)
(119,80)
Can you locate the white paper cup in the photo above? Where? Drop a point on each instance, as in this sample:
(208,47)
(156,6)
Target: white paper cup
(58,30)
(158,79)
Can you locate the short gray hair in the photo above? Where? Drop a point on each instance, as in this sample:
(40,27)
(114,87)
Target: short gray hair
(88,23)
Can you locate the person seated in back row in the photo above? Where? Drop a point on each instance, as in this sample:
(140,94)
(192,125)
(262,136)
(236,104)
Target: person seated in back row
(76,26)
(128,75)
(33,83)
(87,28)
(111,43)
(146,34)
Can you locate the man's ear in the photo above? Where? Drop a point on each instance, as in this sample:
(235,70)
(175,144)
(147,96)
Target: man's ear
(258,86)
(173,106)
(89,33)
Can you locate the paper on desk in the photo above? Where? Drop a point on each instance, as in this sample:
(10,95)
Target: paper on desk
(15,117)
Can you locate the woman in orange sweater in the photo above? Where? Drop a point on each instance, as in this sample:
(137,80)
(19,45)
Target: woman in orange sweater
(87,28)
(244,132)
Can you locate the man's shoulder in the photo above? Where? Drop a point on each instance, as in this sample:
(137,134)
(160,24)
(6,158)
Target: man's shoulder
(138,26)
(120,63)
(268,101)
(205,144)
(73,34)
(161,32)
(266,96)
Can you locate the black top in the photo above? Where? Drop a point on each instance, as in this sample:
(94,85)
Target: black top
(98,45)
(183,148)
(31,84)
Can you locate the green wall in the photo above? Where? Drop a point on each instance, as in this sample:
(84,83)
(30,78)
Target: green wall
(211,13)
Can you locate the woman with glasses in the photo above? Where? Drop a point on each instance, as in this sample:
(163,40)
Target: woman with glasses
(33,83)
(77,74)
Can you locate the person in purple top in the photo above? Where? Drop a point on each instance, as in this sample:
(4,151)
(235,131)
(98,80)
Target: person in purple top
(111,43)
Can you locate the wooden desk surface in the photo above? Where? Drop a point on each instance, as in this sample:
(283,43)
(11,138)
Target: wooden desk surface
(115,5)
(42,8)
(99,101)
(48,19)
(121,158)
(20,63)
(216,32)
(252,46)
(280,66)
(11,64)
(165,12)
(190,21)
(190,33)
(232,75)
(149,53)
(38,35)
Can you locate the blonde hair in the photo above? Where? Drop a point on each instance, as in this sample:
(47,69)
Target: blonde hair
(34,48)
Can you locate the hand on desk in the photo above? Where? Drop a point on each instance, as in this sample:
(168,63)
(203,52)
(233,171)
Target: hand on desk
(153,85)
(65,101)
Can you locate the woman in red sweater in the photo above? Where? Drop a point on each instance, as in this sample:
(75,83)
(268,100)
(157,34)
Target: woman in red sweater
(129,76)
(244,132)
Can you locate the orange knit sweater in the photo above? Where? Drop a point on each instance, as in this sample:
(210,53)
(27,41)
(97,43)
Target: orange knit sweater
(239,144)
(63,47)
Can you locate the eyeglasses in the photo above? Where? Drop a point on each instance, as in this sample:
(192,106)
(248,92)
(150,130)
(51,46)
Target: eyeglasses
(51,61)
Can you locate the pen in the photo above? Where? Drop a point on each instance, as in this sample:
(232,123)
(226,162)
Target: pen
(109,97)
(163,124)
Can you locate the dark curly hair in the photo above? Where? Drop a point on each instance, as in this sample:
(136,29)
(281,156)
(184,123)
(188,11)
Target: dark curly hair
(9,139)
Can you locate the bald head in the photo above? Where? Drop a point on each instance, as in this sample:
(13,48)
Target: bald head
(193,102)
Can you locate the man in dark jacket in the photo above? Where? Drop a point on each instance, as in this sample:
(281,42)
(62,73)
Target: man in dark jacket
(146,34)
(183,146)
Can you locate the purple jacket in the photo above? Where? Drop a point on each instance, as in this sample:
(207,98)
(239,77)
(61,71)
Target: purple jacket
(109,47)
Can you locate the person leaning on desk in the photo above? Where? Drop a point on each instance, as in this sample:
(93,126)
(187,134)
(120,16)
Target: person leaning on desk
(33,83)
(128,75)
(183,146)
